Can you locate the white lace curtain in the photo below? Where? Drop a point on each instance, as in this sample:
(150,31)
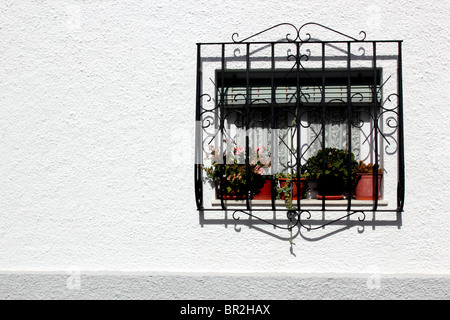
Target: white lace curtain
(336,132)
(280,144)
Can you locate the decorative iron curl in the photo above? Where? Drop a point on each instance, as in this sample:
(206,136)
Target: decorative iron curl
(298,38)
(208,99)
(328,28)
(390,100)
(276,26)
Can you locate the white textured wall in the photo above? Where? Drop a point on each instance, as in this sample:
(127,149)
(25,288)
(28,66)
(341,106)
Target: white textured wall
(97,103)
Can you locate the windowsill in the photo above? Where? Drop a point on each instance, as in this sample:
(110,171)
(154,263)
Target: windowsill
(304,203)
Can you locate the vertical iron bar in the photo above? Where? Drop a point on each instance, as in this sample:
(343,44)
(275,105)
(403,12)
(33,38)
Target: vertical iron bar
(221,127)
(272,125)
(349,128)
(401,153)
(297,129)
(323,124)
(375,113)
(198,139)
(247,126)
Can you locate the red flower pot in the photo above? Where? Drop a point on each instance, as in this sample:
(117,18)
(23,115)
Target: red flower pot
(265,192)
(231,197)
(365,186)
(228,195)
(294,187)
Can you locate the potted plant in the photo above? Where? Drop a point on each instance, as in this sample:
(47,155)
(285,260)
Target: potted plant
(233,180)
(330,169)
(287,186)
(365,181)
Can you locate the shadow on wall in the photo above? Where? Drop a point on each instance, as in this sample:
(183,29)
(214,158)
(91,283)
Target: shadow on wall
(310,226)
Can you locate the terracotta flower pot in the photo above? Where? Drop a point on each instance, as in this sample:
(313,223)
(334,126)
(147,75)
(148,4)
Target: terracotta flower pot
(265,192)
(231,197)
(294,187)
(365,186)
(228,195)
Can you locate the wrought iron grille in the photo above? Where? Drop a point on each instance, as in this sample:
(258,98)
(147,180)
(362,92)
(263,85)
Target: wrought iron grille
(266,109)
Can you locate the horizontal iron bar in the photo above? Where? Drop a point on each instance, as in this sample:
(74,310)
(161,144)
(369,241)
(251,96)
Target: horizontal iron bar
(301,42)
(302,210)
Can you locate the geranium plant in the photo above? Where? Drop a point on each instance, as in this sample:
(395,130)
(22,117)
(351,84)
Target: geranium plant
(232,177)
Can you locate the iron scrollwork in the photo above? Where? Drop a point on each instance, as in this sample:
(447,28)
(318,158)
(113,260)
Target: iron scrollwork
(294,219)
(298,33)
(377,122)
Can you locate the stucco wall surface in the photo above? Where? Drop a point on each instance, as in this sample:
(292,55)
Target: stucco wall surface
(97,102)
(229,286)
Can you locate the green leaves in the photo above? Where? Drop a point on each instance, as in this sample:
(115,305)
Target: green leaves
(330,162)
(233,175)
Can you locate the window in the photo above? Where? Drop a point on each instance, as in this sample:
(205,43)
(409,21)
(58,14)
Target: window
(317,113)
(285,95)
